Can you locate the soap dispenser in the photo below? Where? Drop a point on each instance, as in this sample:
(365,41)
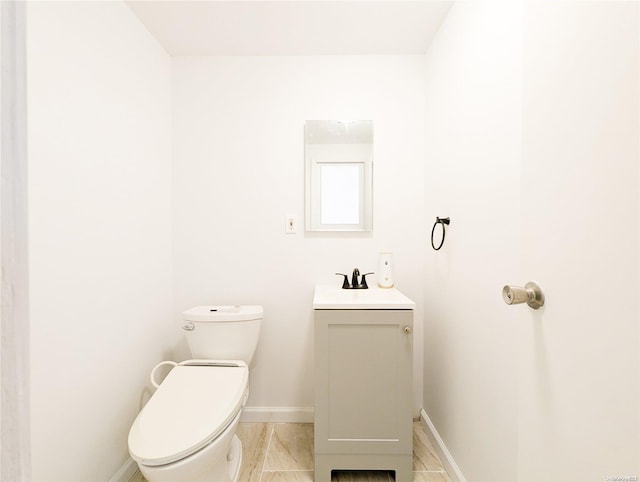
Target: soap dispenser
(385,270)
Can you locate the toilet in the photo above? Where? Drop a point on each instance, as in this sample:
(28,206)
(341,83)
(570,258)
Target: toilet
(186,431)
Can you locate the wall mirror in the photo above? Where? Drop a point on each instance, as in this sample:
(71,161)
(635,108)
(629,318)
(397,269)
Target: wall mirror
(338,170)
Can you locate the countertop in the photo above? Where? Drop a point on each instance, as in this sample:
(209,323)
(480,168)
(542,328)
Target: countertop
(374,298)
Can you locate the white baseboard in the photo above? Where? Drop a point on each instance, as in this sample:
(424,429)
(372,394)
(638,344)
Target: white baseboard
(455,474)
(125,472)
(277,414)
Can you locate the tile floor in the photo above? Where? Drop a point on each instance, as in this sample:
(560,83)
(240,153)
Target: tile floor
(283,452)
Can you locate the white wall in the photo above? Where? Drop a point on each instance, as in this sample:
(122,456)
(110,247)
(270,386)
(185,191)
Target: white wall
(532,149)
(100,236)
(473,112)
(239,170)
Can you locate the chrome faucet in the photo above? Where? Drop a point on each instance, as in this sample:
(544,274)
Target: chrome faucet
(355,284)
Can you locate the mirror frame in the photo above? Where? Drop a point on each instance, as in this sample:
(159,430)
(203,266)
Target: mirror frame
(332,143)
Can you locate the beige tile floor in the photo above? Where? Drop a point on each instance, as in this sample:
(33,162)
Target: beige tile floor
(283,452)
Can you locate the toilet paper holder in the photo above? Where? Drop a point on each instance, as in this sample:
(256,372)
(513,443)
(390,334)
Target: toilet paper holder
(531,294)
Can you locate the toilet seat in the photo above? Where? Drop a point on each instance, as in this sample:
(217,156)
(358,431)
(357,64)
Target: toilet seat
(191,408)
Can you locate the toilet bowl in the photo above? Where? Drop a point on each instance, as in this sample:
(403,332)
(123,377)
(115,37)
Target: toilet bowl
(186,432)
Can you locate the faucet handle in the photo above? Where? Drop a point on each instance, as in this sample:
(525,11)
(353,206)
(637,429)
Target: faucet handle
(364,281)
(345,283)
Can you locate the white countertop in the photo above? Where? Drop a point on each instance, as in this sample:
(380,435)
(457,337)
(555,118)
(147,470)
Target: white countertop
(374,298)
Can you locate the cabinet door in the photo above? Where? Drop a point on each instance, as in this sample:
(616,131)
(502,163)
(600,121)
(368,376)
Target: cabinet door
(364,381)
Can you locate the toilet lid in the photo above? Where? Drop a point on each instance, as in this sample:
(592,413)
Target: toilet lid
(192,406)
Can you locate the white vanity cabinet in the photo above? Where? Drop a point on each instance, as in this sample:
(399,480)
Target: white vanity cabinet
(363,381)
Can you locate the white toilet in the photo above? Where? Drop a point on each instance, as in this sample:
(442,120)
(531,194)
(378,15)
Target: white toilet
(186,431)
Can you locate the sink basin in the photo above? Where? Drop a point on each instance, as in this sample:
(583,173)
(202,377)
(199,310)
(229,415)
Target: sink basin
(335,298)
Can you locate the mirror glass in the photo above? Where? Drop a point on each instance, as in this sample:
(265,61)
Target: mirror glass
(338,168)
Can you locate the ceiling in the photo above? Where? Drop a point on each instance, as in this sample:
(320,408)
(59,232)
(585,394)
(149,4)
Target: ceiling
(293,27)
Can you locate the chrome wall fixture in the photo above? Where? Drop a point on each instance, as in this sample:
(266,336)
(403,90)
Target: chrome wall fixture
(531,294)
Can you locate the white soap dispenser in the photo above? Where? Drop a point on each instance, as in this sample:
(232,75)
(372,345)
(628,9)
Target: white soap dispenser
(385,270)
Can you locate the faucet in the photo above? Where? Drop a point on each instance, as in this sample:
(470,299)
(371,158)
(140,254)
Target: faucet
(355,285)
(354,278)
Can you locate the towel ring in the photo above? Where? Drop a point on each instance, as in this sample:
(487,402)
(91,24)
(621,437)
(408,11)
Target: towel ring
(441,221)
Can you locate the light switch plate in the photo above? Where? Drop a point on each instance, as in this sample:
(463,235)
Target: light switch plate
(291,226)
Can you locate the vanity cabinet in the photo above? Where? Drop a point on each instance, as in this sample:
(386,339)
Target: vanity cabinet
(363,383)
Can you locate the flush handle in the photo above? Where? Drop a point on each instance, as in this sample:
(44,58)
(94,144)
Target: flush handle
(189,327)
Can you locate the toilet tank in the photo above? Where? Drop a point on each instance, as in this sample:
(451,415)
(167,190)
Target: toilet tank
(223,332)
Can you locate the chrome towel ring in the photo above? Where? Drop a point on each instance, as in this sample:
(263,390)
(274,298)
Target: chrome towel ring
(441,221)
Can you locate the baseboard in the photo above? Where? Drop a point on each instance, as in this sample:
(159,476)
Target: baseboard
(455,474)
(125,472)
(277,414)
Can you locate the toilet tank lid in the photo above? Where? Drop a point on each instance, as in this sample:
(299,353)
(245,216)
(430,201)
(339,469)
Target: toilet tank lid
(221,313)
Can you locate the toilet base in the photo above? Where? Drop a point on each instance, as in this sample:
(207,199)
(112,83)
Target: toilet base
(236,453)
(219,461)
